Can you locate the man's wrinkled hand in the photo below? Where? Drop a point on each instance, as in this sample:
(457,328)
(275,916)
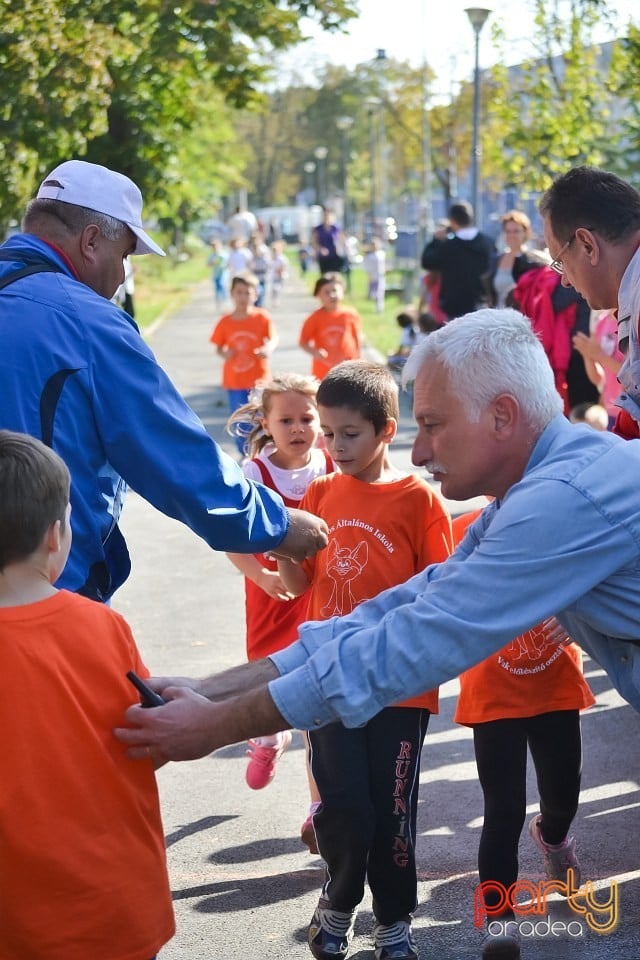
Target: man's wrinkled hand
(307,534)
(184,728)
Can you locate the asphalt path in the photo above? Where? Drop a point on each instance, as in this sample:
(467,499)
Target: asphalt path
(243,884)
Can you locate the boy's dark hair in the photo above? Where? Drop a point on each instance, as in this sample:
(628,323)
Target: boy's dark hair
(325,280)
(365,387)
(34,493)
(249,279)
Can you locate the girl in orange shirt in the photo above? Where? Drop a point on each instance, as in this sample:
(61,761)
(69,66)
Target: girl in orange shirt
(528,694)
(332,333)
(280,428)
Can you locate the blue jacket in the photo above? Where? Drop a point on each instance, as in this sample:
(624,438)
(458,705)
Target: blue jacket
(565,540)
(75,372)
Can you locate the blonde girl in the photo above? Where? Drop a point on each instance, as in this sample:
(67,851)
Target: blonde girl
(281,429)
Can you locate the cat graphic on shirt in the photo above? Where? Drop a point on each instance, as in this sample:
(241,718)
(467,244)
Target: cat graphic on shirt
(344,565)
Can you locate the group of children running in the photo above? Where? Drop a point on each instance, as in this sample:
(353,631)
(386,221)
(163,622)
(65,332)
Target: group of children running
(322,441)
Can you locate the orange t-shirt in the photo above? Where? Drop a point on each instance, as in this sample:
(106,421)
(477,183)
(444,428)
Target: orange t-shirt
(273,624)
(530,676)
(336,331)
(82,855)
(380,534)
(244,368)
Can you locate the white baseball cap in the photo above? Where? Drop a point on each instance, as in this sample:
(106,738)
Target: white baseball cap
(105,191)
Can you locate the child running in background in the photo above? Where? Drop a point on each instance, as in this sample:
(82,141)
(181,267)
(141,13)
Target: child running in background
(278,270)
(245,338)
(333,332)
(384,526)
(407,320)
(530,694)
(217,261)
(281,427)
(375,266)
(84,871)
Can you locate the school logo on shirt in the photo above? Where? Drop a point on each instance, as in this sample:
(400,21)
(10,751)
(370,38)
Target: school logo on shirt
(531,652)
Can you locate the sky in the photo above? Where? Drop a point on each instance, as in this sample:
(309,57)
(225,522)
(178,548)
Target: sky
(437,31)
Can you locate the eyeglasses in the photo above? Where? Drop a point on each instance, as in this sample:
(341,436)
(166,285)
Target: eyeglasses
(557,264)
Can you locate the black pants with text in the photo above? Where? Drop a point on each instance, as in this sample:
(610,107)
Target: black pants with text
(368,780)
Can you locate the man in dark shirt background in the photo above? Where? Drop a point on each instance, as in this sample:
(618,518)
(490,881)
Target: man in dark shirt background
(462,257)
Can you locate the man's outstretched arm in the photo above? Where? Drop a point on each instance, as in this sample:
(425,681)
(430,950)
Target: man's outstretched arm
(189,725)
(221,686)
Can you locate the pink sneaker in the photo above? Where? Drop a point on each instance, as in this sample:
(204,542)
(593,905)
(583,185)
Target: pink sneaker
(261,768)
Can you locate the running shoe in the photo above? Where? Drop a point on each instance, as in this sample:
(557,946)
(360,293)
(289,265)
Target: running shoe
(394,941)
(559,857)
(261,768)
(330,932)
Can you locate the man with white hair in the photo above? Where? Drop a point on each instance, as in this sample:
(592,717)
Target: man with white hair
(76,373)
(562,536)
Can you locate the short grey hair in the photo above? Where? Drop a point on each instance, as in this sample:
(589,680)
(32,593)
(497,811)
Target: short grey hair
(487,353)
(75,218)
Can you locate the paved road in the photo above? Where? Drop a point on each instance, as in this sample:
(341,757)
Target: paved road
(244,886)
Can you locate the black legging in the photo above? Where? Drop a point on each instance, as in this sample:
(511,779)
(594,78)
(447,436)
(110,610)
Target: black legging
(501,757)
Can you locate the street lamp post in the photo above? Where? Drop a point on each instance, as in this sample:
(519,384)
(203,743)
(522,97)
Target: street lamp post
(320,153)
(373,106)
(309,169)
(344,124)
(477,17)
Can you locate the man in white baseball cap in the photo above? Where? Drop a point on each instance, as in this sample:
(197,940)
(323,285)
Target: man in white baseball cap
(76,373)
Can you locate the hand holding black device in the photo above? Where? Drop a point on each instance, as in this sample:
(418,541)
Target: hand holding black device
(148,697)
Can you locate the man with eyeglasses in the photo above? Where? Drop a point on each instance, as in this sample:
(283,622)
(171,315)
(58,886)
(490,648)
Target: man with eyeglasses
(592,229)
(76,373)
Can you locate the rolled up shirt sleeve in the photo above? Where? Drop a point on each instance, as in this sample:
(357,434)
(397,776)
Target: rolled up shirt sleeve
(540,552)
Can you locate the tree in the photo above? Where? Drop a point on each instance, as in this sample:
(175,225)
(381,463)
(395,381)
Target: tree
(122,81)
(553,110)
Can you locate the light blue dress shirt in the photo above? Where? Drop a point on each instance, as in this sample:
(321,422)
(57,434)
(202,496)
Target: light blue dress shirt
(565,540)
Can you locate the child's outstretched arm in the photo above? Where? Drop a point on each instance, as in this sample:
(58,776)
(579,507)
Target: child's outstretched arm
(268,580)
(293,577)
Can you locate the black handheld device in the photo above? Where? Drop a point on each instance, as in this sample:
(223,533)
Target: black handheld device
(148,697)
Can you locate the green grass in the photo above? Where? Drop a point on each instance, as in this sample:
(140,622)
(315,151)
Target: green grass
(380,329)
(164,284)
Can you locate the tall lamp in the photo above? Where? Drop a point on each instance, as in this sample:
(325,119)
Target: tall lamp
(320,153)
(477,17)
(309,169)
(344,124)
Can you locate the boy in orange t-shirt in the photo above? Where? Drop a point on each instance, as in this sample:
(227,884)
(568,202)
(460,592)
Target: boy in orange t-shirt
(384,527)
(527,694)
(82,849)
(332,333)
(245,338)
